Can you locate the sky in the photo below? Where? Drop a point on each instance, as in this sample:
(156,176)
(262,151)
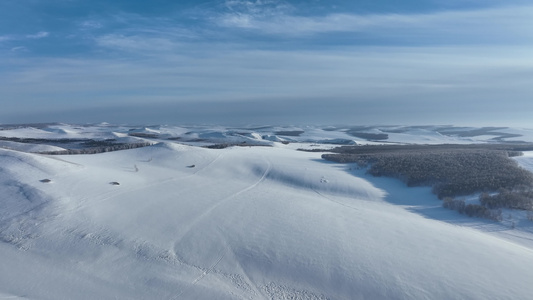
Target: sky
(372,62)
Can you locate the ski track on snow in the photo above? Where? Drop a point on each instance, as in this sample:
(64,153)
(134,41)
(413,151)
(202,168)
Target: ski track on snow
(222,252)
(334,201)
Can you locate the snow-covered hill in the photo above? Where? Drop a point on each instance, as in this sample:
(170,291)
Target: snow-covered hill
(178,221)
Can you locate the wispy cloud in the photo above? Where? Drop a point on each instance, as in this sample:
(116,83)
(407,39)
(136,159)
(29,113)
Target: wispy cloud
(35,36)
(267,51)
(19,49)
(148,36)
(136,43)
(248,14)
(91,24)
(259,8)
(141,35)
(149,41)
(38,35)
(511,22)
(428,74)
(374,84)
(4,38)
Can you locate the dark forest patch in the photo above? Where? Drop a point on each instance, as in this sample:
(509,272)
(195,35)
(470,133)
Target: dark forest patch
(451,171)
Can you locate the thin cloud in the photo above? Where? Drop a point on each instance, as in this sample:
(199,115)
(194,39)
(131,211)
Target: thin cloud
(146,36)
(137,44)
(36,36)
(515,22)
(148,41)
(91,24)
(259,8)
(39,35)
(19,49)
(399,73)
(245,14)
(353,82)
(207,57)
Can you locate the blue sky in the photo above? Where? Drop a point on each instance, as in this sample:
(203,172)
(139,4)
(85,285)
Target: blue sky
(467,62)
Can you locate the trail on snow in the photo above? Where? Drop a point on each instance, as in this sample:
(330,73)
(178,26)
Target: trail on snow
(224,248)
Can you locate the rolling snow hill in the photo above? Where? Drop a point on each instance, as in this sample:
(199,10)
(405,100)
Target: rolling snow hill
(179,221)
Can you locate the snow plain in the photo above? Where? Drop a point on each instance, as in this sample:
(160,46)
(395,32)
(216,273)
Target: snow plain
(187,222)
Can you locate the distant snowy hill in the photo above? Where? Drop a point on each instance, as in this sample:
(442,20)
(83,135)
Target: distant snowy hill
(176,220)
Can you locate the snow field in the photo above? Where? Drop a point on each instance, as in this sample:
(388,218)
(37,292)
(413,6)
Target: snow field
(243,223)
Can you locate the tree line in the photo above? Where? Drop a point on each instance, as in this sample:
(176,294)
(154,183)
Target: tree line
(452,171)
(100,149)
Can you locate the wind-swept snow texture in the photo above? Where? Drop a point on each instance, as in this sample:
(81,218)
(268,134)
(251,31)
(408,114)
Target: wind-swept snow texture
(243,223)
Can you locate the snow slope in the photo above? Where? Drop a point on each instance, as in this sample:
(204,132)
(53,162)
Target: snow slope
(236,223)
(28,147)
